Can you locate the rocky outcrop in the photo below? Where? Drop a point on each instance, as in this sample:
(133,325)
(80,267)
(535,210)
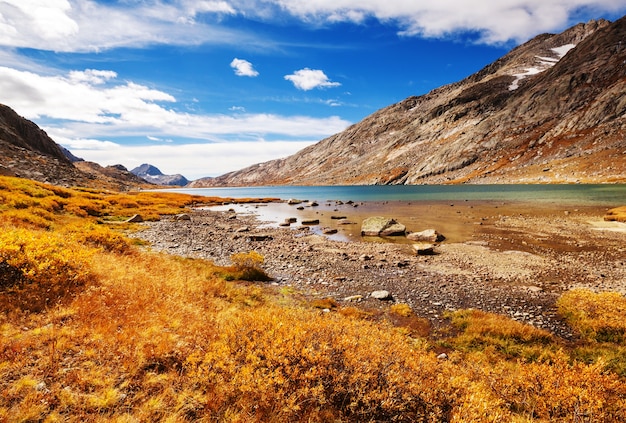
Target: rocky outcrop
(115,176)
(551,110)
(26,151)
(23,133)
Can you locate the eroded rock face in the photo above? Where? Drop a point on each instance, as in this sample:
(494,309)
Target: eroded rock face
(28,152)
(555,103)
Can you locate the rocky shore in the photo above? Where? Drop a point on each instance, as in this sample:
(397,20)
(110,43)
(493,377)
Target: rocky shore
(512,259)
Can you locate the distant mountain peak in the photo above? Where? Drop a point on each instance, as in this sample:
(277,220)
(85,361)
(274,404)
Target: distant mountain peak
(153,175)
(146,170)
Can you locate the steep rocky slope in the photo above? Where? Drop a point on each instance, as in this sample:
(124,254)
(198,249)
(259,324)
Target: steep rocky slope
(552,110)
(26,151)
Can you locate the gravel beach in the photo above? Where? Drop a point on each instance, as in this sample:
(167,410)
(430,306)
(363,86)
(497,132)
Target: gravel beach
(511,258)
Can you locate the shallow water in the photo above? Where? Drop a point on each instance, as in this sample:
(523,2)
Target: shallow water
(457,221)
(457,211)
(581,194)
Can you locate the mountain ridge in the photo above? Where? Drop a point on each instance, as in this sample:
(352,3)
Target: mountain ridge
(552,110)
(26,151)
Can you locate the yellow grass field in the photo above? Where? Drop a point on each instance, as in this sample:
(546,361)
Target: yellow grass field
(94,326)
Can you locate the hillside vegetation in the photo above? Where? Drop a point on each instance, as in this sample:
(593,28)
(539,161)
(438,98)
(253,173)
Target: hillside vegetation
(96,327)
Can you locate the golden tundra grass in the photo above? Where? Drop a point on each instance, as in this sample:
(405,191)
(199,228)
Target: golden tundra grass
(94,328)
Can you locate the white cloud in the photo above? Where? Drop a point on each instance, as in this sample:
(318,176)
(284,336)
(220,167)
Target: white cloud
(306,79)
(83,110)
(495,21)
(47,19)
(89,25)
(94,103)
(194,160)
(92,76)
(243,68)
(206,6)
(82,96)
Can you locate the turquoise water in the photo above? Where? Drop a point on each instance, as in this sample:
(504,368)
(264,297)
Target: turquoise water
(582,194)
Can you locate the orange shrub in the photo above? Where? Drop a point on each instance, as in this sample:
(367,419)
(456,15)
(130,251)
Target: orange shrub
(32,218)
(99,236)
(291,365)
(555,391)
(247,267)
(40,268)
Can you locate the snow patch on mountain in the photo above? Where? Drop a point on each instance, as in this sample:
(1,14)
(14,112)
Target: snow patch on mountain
(543,64)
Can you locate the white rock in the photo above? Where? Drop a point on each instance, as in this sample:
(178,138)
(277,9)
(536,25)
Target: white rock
(381,295)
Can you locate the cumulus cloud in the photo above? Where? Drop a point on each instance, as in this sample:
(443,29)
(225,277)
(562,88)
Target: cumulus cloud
(243,68)
(496,22)
(82,96)
(307,79)
(47,19)
(94,104)
(90,25)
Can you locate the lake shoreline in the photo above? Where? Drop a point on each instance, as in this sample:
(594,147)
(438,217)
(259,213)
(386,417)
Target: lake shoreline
(511,258)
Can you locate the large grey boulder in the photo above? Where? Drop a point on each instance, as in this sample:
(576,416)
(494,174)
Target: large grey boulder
(382,226)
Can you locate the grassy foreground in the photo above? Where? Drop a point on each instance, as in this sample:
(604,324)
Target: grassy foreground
(95,327)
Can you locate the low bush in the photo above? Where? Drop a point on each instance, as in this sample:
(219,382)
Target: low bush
(247,267)
(39,269)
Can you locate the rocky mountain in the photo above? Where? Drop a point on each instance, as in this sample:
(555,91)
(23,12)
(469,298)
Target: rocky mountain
(552,110)
(153,175)
(26,151)
(116,177)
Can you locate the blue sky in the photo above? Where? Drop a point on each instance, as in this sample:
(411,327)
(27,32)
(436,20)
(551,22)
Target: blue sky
(203,87)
